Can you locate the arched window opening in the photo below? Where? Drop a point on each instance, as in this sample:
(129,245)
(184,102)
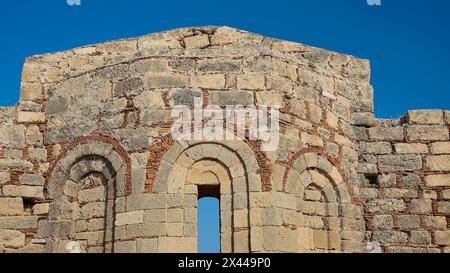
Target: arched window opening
(208,212)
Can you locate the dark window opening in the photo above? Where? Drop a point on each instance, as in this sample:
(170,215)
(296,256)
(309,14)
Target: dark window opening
(208,222)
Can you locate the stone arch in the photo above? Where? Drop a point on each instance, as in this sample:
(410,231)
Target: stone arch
(82,187)
(325,205)
(232,166)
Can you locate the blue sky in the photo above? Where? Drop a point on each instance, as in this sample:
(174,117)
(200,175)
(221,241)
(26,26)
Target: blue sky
(407,41)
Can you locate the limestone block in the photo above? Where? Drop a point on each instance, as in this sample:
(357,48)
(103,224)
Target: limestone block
(224,98)
(23,191)
(382,222)
(444,207)
(166,80)
(438,163)
(446,194)
(408,221)
(18,222)
(93,210)
(411,180)
(219,66)
(146,201)
(31,117)
(34,136)
(436,222)
(197,41)
(149,99)
(31,91)
(427,133)
(426,117)
(175,215)
(129,218)
(387,180)
(125,247)
(375,147)
(421,237)
(12,136)
(386,205)
(388,163)
(421,206)
(147,245)
(413,148)
(150,65)
(437,180)
(40,209)
(399,193)
(11,206)
(209,81)
(363,119)
(37,154)
(390,236)
(11,238)
(92,195)
(386,133)
(32,179)
(250,82)
(440,148)
(442,237)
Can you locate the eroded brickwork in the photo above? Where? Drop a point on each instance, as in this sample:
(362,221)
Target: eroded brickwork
(87,162)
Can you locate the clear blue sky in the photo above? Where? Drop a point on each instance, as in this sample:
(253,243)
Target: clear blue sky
(407,41)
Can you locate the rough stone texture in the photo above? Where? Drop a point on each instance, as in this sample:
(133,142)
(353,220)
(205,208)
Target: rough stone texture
(87,152)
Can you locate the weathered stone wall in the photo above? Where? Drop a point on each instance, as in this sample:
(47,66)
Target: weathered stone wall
(404,180)
(87,162)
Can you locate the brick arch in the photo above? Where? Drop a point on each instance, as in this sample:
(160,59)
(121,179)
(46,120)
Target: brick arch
(111,150)
(310,158)
(238,173)
(247,150)
(311,171)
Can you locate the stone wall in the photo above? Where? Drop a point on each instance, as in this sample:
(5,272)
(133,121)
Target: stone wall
(87,162)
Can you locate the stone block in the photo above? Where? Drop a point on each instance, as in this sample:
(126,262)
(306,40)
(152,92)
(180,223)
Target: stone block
(92,195)
(250,82)
(437,180)
(442,238)
(427,133)
(125,247)
(420,237)
(387,163)
(129,218)
(382,222)
(11,206)
(375,148)
(40,209)
(147,245)
(386,133)
(386,205)
(197,41)
(18,222)
(363,119)
(438,163)
(426,117)
(412,148)
(440,148)
(408,221)
(390,236)
(166,80)
(32,179)
(31,117)
(23,191)
(421,206)
(11,238)
(230,98)
(208,81)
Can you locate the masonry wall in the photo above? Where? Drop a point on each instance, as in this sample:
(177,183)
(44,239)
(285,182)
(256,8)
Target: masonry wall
(87,162)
